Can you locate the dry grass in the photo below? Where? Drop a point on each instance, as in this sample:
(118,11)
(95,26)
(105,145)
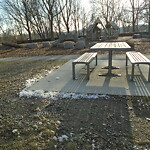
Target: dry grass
(112,123)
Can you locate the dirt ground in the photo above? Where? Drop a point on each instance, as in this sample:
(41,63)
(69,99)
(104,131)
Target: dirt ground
(107,123)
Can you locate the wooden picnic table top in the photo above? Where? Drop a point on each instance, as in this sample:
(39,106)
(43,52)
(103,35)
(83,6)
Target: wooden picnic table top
(111,46)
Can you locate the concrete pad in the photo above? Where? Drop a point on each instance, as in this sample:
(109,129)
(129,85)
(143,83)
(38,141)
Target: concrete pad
(61,80)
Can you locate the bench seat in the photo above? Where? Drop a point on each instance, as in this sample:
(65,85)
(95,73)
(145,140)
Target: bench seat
(86,59)
(137,58)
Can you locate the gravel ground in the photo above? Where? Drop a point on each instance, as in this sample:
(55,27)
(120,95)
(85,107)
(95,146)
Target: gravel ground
(112,122)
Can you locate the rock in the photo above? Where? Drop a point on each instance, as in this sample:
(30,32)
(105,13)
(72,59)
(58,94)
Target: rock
(71,36)
(145,36)
(80,45)
(54,43)
(63,138)
(15,130)
(62,37)
(60,45)
(55,138)
(46,44)
(31,46)
(68,44)
(40,123)
(136,36)
(58,122)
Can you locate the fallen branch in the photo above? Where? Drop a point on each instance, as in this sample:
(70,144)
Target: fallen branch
(12,45)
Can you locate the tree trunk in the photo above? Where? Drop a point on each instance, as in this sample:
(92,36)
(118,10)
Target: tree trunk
(149,21)
(67,28)
(27,20)
(51,26)
(12,45)
(133,18)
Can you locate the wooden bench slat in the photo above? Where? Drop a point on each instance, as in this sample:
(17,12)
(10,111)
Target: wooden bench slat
(137,58)
(86,58)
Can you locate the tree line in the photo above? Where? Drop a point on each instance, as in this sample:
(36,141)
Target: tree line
(50,18)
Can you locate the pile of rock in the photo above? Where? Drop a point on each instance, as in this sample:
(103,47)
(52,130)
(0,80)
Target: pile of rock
(70,41)
(66,41)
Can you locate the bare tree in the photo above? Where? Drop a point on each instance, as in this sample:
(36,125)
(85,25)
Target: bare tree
(84,20)
(43,17)
(35,16)
(76,15)
(1,21)
(18,11)
(126,20)
(50,8)
(146,14)
(38,22)
(107,10)
(27,16)
(58,25)
(1,25)
(67,13)
(137,8)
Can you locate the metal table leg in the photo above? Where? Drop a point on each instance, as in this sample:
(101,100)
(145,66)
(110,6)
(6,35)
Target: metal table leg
(110,67)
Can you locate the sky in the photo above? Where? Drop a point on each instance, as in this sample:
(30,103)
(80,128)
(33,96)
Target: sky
(86,4)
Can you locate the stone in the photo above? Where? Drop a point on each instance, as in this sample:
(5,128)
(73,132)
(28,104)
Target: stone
(62,37)
(80,45)
(46,44)
(71,36)
(60,45)
(68,44)
(55,43)
(32,46)
(136,36)
(145,36)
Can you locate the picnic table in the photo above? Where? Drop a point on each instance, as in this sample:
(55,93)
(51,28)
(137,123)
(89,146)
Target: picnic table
(111,46)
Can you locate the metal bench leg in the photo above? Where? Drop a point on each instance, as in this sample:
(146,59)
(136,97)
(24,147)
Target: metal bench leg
(88,71)
(126,60)
(73,70)
(132,75)
(96,60)
(149,74)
